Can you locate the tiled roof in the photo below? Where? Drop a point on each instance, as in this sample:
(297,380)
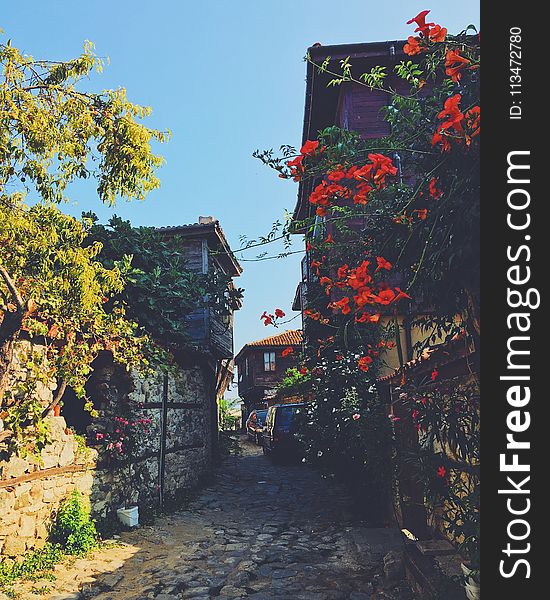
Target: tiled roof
(286,338)
(293,337)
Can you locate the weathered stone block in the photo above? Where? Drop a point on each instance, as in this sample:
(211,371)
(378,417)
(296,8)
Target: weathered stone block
(15,467)
(7,500)
(36,491)
(27,526)
(14,546)
(41,531)
(84,483)
(23,501)
(48,495)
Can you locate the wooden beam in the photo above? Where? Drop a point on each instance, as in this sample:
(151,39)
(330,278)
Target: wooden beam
(43,474)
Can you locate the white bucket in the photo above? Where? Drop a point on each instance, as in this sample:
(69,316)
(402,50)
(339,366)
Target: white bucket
(128,516)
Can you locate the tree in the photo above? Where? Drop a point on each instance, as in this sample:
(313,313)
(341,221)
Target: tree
(52,287)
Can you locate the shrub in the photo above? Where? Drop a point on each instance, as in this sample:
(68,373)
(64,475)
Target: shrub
(74,529)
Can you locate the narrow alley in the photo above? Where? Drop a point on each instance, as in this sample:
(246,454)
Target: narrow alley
(261,530)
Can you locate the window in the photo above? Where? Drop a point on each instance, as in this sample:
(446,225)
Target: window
(246,366)
(269,361)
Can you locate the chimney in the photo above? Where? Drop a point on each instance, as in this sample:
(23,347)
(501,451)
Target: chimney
(206,220)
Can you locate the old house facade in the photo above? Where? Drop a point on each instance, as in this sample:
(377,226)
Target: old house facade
(176,448)
(356,107)
(262,365)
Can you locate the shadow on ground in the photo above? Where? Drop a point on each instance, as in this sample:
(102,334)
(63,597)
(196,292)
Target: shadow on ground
(262,530)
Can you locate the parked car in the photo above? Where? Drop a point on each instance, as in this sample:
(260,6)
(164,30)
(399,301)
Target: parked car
(255,424)
(279,434)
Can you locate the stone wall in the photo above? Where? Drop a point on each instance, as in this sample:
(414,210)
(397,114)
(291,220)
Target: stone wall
(30,491)
(188,446)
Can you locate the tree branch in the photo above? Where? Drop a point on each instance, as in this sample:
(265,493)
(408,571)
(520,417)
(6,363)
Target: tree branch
(13,289)
(56,400)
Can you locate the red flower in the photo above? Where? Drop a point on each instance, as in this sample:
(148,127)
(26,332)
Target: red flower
(343,271)
(366,318)
(435,373)
(279,313)
(381,167)
(422,26)
(422,213)
(438,33)
(382,264)
(342,304)
(360,276)
(452,123)
(401,294)
(443,140)
(364,362)
(356,416)
(441,472)
(309,148)
(287,351)
(267,319)
(315,264)
(303,371)
(435,192)
(412,46)
(296,167)
(329,239)
(455,63)
(385,297)
(364,296)
(452,113)
(336,175)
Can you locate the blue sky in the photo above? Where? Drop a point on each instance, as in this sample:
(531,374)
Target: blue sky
(226,77)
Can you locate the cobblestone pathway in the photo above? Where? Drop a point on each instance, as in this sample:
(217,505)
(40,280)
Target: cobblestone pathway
(261,531)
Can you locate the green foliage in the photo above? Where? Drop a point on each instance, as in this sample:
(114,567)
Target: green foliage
(448,459)
(33,565)
(52,132)
(53,288)
(227,420)
(74,530)
(375,77)
(73,533)
(294,382)
(347,432)
(160,289)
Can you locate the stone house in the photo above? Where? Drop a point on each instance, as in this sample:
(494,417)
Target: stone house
(175,451)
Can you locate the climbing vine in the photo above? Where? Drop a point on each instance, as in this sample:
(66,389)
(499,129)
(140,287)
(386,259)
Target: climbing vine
(392,231)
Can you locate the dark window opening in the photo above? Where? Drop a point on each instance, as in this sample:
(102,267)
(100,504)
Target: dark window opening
(76,416)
